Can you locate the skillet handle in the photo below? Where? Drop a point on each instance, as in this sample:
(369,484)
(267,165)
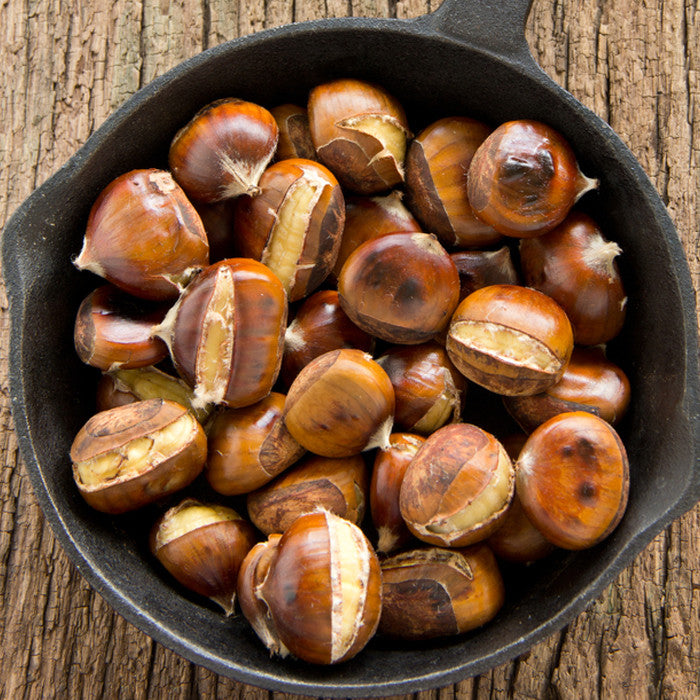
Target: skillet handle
(495,25)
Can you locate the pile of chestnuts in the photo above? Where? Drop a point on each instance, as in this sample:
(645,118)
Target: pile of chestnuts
(300,311)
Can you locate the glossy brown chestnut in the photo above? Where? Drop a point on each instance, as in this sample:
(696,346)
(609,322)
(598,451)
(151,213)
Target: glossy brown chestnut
(511,340)
(114,330)
(575,265)
(340,404)
(437,164)
(370,217)
(457,488)
(225,333)
(524,179)
(132,455)
(295,135)
(482,268)
(400,287)
(360,133)
(320,326)
(144,236)
(217,219)
(573,479)
(223,150)
(124,386)
(202,546)
(315,592)
(390,466)
(590,383)
(433,592)
(428,388)
(249,446)
(294,224)
(338,485)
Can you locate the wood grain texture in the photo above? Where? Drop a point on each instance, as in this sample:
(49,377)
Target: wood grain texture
(68,64)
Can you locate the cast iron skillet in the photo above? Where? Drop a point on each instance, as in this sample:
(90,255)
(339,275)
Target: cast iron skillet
(468,58)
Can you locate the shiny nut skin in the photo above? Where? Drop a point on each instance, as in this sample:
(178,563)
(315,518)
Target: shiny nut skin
(114,330)
(250,446)
(217,219)
(437,164)
(573,479)
(576,266)
(338,485)
(203,546)
(144,236)
(482,268)
(511,340)
(359,131)
(457,488)
(429,390)
(340,404)
(314,592)
(223,150)
(369,217)
(590,383)
(400,287)
(133,455)
(294,224)
(319,326)
(390,465)
(429,593)
(294,134)
(225,333)
(524,179)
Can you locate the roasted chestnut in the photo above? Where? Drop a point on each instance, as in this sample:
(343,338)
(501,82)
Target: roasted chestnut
(360,133)
(458,487)
(249,446)
(144,236)
(223,150)
(482,268)
(524,179)
(511,340)
(132,455)
(294,134)
(340,404)
(573,479)
(314,592)
(293,224)
(400,287)
(217,219)
(575,265)
(202,546)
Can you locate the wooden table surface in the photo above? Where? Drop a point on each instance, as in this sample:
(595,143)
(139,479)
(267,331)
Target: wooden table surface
(66,64)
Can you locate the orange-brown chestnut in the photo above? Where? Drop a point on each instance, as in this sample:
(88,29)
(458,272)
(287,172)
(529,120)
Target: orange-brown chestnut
(457,488)
(144,236)
(338,485)
(482,268)
(319,326)
(429,390)
(223,150)
(132,455)
(572,478)
(249,446)
(511,340)
(437,164)
(114,330)
(575,265)
(369,217)
(434,592)
(295,135)
(203,545)
(590,383)
(294,224)
(524,179)
(340,404)
(400,287)
(359,131)
(314,592)
(390,465)
(225,333)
